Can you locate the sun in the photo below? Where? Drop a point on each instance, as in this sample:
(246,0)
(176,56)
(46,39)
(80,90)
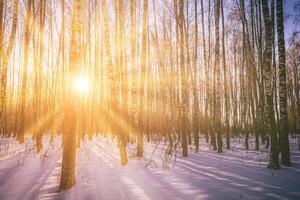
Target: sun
(81,84)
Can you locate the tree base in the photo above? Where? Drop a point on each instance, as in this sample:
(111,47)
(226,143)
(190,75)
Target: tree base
(273,165)
(286,163)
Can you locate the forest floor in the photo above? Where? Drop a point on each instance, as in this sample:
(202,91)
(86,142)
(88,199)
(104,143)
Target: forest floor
(233,174)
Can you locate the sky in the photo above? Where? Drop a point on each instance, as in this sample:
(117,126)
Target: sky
(290,26)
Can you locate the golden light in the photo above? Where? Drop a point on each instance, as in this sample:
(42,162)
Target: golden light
(81,84)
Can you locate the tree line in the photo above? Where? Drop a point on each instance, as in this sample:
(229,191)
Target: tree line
(157,70)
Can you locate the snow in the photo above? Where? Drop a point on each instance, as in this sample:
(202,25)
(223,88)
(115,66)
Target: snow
(234,174)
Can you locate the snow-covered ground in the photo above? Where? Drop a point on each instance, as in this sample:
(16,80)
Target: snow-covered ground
(234,174)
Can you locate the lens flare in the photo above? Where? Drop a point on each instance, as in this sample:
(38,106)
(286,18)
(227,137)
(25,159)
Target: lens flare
(81,84)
